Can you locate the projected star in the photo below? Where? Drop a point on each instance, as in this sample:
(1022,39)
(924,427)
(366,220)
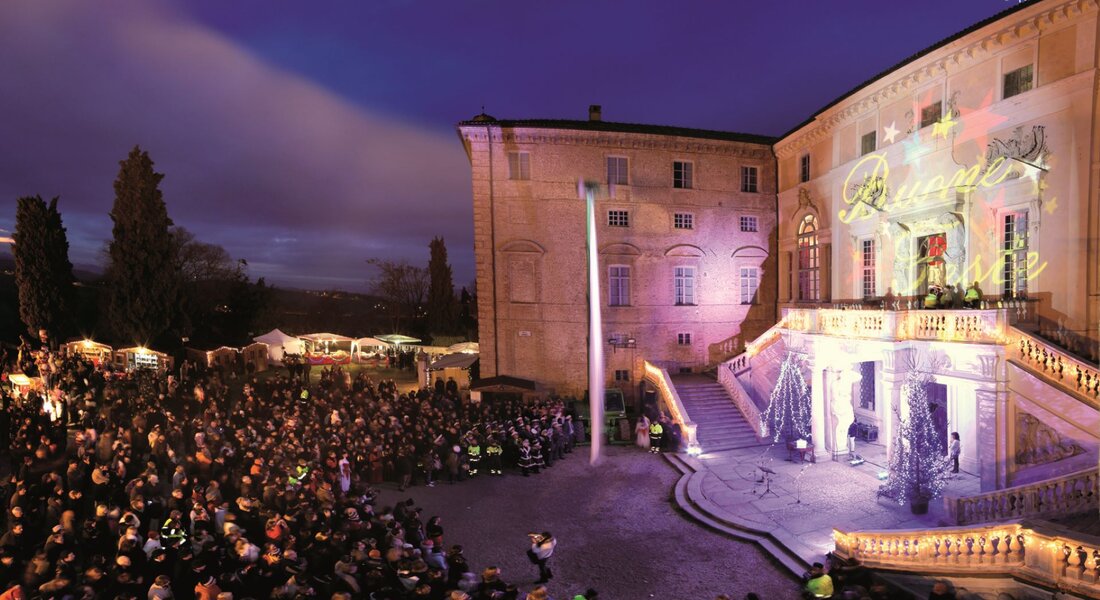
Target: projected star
(891,133)
(1051,206)
(943,126)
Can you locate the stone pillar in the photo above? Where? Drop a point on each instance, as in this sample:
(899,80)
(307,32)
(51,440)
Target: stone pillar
(824,257)
(819,378)
(994,431)
(894,366)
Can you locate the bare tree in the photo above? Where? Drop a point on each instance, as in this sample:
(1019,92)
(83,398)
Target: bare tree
(404,288)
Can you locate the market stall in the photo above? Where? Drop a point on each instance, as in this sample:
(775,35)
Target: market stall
(452,366)
(366,348)
(94,351)
(140,357)
(221,356)
(256,354)
(327,348)
(279,343)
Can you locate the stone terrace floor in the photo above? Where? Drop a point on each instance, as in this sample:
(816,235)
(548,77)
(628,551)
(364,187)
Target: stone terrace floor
(832,494)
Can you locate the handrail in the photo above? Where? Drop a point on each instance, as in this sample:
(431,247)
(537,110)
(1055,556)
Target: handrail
(740,363)
(1061,495)
(741,399)
(667,394)
(1040,553)
(1058,368)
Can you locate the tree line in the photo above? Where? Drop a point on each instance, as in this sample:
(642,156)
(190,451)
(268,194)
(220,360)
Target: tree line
(161,287)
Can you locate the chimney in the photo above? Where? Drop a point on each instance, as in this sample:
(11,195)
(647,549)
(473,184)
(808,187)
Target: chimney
(594,112)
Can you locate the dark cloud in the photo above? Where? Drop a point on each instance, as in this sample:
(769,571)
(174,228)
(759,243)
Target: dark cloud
(303,184)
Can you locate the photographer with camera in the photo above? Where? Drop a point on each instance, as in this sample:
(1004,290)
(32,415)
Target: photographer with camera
(542,548)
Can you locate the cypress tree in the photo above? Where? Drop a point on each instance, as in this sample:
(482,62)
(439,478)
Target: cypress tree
(43,273)
(919,465)
(788,412)
(143,274)
(442,309)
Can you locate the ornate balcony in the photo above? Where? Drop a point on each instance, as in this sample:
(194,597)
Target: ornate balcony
(973,326)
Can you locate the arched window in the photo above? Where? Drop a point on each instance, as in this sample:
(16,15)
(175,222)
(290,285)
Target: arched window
(809,278)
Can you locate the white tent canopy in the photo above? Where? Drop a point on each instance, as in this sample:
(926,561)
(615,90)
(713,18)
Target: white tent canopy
(278,342)
(465,348)
(326,337)
(358,345)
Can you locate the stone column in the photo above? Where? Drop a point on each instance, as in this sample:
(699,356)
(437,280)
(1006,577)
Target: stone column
(894,366)
(994,431)
(819,378)
(824,257)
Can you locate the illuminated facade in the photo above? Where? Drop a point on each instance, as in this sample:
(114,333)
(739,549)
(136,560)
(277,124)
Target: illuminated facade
(685,234)
(977,161)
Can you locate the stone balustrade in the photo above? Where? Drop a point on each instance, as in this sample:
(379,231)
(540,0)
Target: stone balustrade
(982,326)
(670,399)
(1068,494)
(728,378)
(1058,368)
(1036,552)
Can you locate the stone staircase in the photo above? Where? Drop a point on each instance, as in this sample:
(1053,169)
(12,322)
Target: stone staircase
(720,424)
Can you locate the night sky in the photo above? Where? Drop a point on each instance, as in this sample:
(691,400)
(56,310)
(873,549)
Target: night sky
(308,137)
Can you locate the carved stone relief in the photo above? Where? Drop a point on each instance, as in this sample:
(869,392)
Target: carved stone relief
(1038,444)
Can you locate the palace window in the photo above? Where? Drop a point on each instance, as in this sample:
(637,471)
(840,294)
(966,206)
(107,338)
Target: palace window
(749,179)
(684,284)
(1015,254)
(682,175)
(617,170)
(618,289)
(1018,81)
(931,114)
(868,255)
(867,143)
(622,374)
(683,221)
(809,277)
(618,218)
(867,386)
(749,224)
(804,170)
(683,339)
(750,282)
(519,166)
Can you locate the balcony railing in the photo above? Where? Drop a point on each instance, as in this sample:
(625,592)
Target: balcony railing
(1076,492)
(1057,367)
(1040,553)
(981,326)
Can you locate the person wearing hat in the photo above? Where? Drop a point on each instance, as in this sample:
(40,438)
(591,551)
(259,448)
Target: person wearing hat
(473,450)
(524,461)
(818,582)
(493,454)
(539,593)
(656,432)
(590,594)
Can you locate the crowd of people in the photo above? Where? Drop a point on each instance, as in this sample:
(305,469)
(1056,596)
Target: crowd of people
(199,484)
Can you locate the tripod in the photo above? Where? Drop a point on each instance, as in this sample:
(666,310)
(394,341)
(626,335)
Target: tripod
(767,483)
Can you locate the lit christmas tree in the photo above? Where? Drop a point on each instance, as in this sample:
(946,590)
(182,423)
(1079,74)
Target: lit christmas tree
(919,467)
(789,409)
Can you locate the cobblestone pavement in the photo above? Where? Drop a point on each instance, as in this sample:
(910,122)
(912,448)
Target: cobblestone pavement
(617,530)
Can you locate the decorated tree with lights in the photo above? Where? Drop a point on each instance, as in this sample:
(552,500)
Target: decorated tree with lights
(788,411)
(919,466)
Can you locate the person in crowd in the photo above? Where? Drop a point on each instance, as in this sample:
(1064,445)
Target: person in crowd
(641,432)
(656,432)
(954,450)
(542,548)
(817,582)
(973,296)
(214,483)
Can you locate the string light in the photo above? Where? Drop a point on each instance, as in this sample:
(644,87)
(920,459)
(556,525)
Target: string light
(789,408)
(919,466)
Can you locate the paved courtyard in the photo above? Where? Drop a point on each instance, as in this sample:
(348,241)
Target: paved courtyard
(618,530)
(806,500)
